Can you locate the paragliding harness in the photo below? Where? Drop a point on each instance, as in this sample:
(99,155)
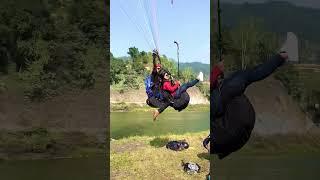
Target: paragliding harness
(177,145)
(152,89)
(191,168)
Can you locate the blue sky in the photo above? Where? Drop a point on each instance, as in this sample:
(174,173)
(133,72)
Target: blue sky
(186,21)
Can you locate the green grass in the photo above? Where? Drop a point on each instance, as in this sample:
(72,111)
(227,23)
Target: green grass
(39,143)
(144,157)
(12,82)
(310,79)
(302,84)
(278,143)
(127,107)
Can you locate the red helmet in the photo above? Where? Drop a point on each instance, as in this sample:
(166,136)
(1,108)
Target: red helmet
(216,72)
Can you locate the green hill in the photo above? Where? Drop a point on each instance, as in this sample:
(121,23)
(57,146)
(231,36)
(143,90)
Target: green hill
(278,16)
(197,67)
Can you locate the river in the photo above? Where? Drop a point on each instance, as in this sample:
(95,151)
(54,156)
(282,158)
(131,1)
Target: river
(125,124)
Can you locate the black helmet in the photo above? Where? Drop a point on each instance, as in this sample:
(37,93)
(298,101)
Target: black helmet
(163,71)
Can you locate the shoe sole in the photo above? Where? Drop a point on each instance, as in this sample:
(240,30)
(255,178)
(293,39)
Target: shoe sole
(291,47)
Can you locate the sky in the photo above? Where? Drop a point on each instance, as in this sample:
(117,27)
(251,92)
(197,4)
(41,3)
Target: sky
(186,21)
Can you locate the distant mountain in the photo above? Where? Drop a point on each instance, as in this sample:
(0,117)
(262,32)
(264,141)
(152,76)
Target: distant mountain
(126,58)
(278,16)
(197,67)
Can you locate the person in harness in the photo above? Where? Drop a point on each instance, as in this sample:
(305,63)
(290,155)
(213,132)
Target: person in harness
(156,68)
(156,96)
(173,90)
(233,115)
(153,85)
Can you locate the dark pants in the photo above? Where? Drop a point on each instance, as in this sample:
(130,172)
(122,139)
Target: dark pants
(156,103)
(236,84)
(183,88)
(234,128)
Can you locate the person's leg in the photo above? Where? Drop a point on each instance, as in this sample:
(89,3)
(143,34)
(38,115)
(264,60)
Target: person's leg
(153,102)
(237,83)
(161,108)
(184,87)
(156,103)
(167,97)
(264,70)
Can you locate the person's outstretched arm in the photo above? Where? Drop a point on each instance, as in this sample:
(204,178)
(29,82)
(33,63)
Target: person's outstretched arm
(155,56)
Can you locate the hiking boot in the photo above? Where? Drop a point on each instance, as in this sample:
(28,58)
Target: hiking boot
(290,47)
(155,115)
(200,76)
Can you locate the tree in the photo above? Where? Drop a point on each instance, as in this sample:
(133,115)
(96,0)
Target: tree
(187,74)
(253,43)
(118,68)
(144,57)
(55,44)
(134,53)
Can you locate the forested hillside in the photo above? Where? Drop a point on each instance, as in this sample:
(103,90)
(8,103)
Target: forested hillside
(48,46)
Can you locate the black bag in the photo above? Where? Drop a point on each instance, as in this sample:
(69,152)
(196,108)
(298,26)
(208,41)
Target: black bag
(205,143)
(177,145)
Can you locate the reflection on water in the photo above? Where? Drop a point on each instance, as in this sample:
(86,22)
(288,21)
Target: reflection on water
(124,124)
(268,167)
(59,169)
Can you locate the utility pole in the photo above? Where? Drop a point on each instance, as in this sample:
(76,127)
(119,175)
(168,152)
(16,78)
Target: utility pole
(177,55)
(219,33)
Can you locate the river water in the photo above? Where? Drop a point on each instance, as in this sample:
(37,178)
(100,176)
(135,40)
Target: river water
(125,124)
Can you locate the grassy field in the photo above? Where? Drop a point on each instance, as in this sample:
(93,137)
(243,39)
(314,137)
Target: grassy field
(282,143)
(38,143)
(147,157)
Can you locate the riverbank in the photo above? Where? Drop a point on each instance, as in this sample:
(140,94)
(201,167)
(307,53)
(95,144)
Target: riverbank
(282,143)
(146,157)
(139,157)
(132,107)
(38,143)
